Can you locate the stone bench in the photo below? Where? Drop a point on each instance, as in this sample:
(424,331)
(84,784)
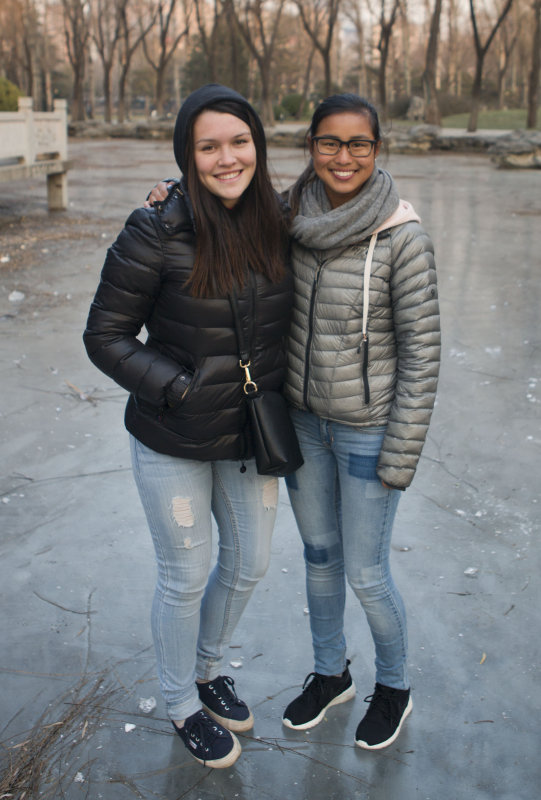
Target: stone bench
(35,143)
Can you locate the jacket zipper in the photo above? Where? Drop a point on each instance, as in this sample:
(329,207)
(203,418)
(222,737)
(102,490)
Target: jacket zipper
(315,285)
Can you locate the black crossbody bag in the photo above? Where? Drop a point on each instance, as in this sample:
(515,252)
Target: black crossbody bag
(275,443)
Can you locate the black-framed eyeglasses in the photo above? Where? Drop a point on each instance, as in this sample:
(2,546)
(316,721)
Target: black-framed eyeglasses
(331,146)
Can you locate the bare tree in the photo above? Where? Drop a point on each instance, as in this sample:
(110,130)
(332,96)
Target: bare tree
(385,32)
(21,46)
(353,12)
(47,60)
(106,27)
(454,74)
(405,36)
(319,20)
(507,41)
(77,35)
(480,52)
(167,40)
(432,110)
(259,28)
(208,26)
(306,81)
(131,36)
(533,82)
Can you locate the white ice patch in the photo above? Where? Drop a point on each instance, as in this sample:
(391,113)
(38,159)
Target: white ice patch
(147,704)
(471,572)
(16,297)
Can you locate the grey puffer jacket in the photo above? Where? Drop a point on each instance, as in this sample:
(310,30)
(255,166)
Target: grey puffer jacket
(399,358)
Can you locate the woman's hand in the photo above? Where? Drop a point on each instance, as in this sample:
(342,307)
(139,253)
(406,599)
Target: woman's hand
(158,193)
(387,486)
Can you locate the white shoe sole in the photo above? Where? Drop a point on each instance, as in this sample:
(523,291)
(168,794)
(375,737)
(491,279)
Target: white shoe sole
(237,725)
(381,745)
(226,761)
(346,695)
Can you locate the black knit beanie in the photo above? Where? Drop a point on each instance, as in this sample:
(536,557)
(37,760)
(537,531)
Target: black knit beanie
(203,98)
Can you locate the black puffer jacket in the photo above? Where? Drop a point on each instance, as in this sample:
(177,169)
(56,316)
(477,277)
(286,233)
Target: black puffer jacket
(191,341)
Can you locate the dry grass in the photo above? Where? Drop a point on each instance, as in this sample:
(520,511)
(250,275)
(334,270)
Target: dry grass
(36,764)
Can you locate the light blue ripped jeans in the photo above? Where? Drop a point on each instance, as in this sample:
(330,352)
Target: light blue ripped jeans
(194,614)
(345,517)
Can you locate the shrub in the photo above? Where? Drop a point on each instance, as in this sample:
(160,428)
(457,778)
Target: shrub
(8,95)
(398,108)
(450,104)
(291,104)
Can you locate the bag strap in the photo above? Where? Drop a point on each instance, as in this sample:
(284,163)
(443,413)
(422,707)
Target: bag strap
(366,283)
(366,301)
(250,387)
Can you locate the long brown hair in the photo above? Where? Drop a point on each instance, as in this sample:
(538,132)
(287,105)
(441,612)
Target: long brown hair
(251,235)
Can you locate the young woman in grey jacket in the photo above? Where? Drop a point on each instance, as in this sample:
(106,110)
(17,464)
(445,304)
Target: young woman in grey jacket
(363,361)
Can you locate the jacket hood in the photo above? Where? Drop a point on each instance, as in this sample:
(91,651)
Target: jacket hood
(197,101)
(404,213)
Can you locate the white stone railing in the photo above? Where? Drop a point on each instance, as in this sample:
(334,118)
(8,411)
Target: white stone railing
(34,143)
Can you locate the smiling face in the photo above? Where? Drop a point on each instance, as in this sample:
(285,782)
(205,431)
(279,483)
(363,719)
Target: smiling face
(342,174)
(225,155)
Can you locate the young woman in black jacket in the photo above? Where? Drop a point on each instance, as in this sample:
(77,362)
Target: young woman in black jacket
(171,271)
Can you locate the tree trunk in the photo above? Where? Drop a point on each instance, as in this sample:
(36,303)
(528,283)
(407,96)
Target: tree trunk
(233,49)
(476,95)
(386,31)
(306,83)
(432,110)
(122,82)
(78,101)
(108,92)
(91,105)
(533,82)
(160,90)
(406,51)
(480,53)
(328,74)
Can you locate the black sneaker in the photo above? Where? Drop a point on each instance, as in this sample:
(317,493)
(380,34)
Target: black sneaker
(382,722)
(319,692)
(208,742)
(220,700)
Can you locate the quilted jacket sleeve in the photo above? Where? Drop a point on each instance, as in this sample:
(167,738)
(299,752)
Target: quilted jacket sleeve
(129,287)
(417,330)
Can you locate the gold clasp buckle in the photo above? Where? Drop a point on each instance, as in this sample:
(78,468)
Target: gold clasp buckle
(250,387)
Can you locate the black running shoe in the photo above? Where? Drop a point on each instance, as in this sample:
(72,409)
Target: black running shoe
(220,700)
(208,742)
(382,722)
(319,692)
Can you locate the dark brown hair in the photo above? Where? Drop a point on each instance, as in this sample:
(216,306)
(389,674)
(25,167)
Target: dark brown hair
(251,235)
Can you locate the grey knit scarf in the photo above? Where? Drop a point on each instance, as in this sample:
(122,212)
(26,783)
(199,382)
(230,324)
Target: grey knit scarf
(320,227)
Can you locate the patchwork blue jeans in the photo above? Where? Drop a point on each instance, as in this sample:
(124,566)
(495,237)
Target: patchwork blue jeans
(194,614)
(345,517)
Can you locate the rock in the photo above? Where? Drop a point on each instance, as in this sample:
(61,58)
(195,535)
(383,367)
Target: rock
(418,139)
(519,149)
(155,129)
(416,109)
(88,129)
(463,141)
(286,138)
(150,129)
